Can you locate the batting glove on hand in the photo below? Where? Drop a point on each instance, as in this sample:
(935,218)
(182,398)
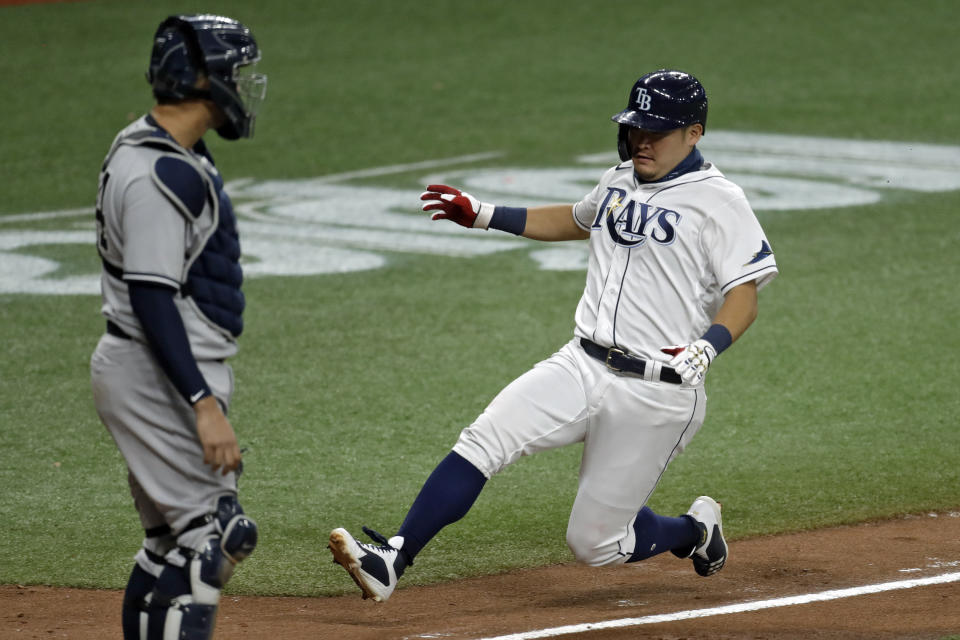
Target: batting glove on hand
(457,205)
(692,361)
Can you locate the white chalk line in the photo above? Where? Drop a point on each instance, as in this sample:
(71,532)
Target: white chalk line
(743,607)
(47,215)
(385,170)
(334,177)
(411,166)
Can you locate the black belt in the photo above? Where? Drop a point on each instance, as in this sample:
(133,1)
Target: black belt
(619,360)
(114,330)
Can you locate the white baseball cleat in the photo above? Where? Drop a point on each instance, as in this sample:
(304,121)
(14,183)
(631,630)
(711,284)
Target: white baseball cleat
(711,551)
(375,568)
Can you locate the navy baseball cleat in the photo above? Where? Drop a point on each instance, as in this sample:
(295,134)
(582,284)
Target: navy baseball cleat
(710,553)
(375,568)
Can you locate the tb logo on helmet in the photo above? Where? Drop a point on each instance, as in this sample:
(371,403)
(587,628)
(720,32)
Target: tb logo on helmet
(643,99)
(681,101)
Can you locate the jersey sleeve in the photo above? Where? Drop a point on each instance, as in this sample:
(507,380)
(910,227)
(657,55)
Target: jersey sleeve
(154,235)
(586,210)
(736,247)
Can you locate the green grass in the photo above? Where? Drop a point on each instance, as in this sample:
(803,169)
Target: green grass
(839,405)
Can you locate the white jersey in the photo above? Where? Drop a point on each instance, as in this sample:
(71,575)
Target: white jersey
(663,255)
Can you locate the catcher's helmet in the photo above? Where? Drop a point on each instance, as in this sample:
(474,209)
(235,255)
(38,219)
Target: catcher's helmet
(661,101)
(186,48)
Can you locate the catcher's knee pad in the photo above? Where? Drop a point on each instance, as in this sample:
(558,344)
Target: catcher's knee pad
(184,601)
(238,533)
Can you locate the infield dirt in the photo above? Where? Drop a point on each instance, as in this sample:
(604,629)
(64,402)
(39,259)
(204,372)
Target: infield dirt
(759,568)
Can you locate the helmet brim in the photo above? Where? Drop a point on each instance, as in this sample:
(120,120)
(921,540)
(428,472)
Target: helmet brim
(646,121)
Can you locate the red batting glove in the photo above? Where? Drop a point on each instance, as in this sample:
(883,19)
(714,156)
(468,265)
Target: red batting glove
(456,205)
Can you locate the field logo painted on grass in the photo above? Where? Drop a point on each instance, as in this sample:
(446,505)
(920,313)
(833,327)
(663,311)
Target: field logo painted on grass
(333,224)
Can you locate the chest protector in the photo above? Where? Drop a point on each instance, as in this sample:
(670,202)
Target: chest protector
(212,275)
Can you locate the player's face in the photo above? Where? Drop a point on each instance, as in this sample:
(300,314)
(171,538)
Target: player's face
(655,153)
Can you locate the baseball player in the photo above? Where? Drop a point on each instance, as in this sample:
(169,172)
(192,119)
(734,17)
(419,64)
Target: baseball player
(676,259)
(167,238)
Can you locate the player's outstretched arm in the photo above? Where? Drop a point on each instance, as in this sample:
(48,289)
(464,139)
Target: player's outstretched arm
(550,222)
(553,222)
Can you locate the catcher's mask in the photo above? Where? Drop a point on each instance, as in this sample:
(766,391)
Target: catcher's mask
(187,48)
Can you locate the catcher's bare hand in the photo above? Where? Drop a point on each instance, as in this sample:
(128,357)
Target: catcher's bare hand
(456,205)
(220,448)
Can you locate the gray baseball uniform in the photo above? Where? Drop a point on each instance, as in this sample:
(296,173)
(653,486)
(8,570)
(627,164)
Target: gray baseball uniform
(170,250)
(145,237)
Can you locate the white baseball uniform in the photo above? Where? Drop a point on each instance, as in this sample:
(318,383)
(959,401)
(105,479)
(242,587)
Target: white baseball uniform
(662,257)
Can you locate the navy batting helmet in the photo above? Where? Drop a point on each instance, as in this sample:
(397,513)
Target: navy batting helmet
(187,48)
(661,101)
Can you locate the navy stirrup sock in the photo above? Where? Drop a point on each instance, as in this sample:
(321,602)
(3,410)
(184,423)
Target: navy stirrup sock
(656,534)
(446,497)
(139,585)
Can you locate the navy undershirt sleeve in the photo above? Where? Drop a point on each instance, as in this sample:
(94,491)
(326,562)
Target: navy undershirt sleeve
(167,338)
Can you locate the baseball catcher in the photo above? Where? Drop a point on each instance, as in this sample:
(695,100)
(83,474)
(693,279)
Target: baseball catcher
(169,246)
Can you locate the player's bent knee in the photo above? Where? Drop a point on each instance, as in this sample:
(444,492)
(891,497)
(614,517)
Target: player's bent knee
(238,532)
(590,551)
(235,539)
(482,447)
(588,556)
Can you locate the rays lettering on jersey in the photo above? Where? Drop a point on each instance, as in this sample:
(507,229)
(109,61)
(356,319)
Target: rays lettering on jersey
(629,224)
